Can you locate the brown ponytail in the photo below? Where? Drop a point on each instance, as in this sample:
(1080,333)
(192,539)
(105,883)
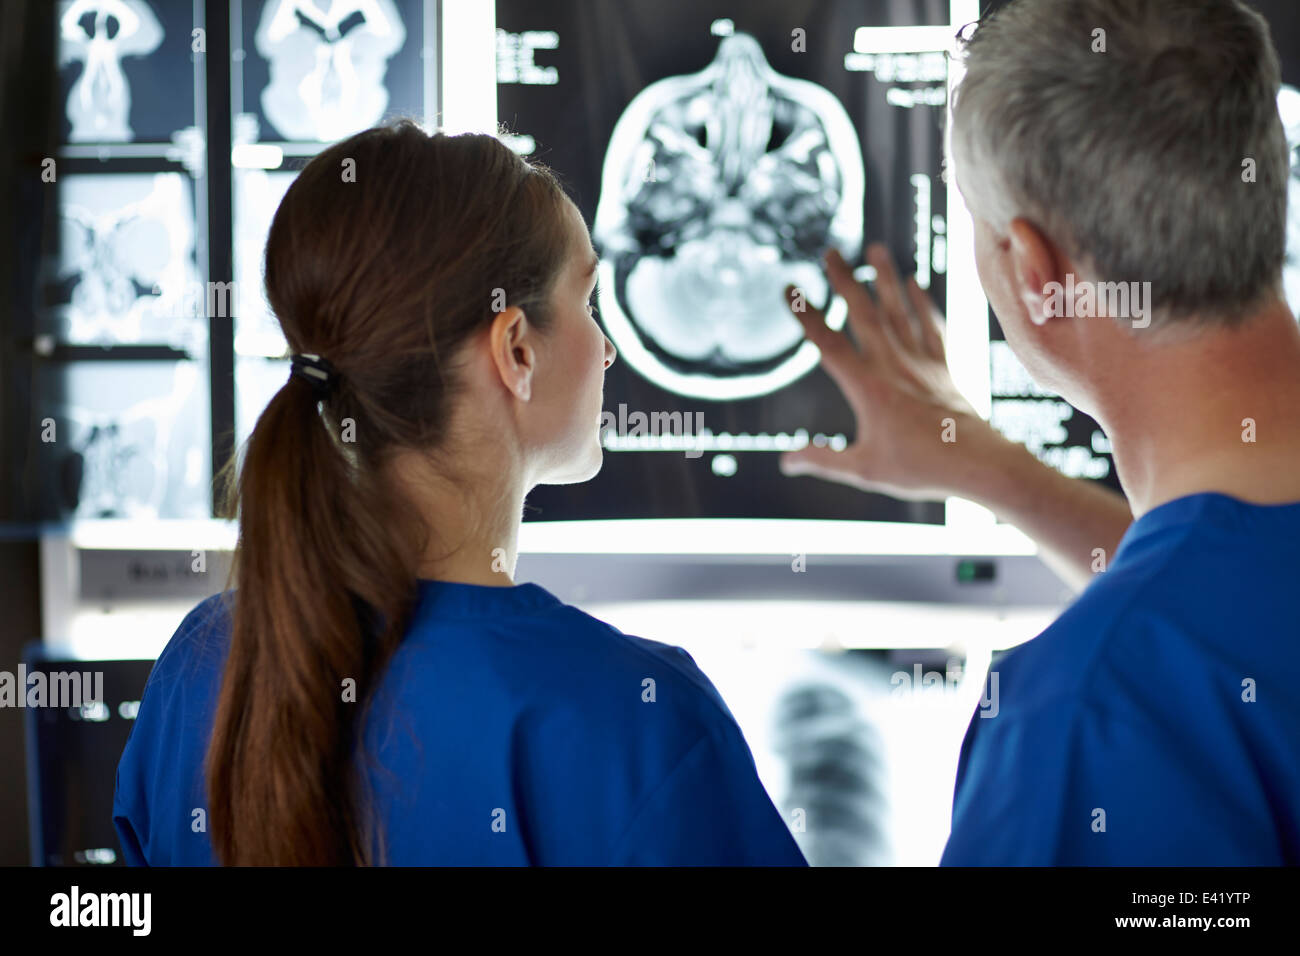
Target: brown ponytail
(385,255)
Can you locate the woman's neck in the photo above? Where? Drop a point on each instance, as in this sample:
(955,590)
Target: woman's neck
(473,521)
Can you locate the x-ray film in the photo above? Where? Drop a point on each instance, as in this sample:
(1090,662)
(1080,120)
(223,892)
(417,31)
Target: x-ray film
(127,273)
(125,439)
(716,149)
(858,750)
(718,190)
(321,70)
(125,67)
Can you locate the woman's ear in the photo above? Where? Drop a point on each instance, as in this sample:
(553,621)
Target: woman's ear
(510,342)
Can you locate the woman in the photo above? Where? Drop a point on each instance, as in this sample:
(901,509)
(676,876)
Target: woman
(378,689)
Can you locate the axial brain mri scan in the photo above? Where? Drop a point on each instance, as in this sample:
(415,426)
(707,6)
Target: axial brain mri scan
(716,149)
(719,189)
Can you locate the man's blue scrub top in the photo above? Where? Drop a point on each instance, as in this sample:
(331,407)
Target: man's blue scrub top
(1157,722)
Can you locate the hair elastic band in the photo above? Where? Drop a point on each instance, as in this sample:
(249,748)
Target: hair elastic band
(316,371)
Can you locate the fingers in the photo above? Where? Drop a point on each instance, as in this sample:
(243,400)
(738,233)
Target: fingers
(820,462)
(931,320)
(839,357)
(903,325)
(863,321)
(895,307)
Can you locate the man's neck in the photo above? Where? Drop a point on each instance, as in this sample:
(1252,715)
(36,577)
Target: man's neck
(1218,412)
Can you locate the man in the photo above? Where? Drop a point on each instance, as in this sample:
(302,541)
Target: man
(1157,721)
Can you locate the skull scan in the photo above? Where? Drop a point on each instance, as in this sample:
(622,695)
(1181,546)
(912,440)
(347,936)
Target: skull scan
(132,441)
(327,65)
(718,190)
(99,33)
(127,261)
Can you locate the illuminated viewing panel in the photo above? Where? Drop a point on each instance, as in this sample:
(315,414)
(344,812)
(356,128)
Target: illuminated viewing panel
(716,149)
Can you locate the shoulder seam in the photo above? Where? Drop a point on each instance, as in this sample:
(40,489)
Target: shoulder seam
(649,798)
(707,689)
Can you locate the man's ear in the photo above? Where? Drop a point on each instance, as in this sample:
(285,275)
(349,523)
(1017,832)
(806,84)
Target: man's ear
(510,343)
(1036,271)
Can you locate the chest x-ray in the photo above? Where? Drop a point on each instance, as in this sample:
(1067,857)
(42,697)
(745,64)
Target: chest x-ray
(719,189)
(257,196)
(857,749)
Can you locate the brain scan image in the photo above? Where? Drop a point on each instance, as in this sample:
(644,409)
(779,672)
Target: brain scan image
(127,261)
(98,34)
(718,190)
(132,440)
(716,158)
(327,64)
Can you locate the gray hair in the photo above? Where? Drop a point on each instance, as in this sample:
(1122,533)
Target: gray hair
(1133,159)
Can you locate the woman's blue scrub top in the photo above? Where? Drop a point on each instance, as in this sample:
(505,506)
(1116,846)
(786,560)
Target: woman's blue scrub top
(508,729)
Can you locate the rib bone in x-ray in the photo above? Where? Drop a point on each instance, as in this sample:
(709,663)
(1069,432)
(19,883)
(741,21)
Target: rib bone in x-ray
(836,763)
(719,189)
(327,65)
(98,33)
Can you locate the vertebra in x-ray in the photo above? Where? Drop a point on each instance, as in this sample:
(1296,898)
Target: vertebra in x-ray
(719,189)
(128,256)
(836,763)
(1288,106)
(98,33)
(327,65)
